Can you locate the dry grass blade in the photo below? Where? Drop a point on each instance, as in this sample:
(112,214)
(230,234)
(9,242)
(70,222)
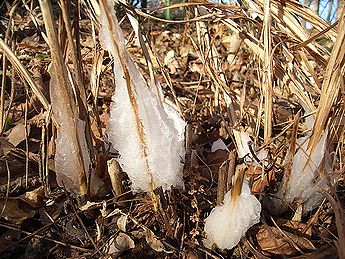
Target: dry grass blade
(333,82)
(317,35)
(136,27)
(310,16)
(4,65)
(22,71)
(340,222)
(267,75)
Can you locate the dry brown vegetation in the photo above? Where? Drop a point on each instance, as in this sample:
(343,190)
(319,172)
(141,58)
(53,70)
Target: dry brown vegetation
(223,69)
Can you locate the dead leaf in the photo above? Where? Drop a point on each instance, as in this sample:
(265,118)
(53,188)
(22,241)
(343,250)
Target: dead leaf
(231,42)
(121,222)
(113,213)
(8,238)
(114,172)
(17,134)
(18,209)
(153,242)
(171,62)
(260,183)
(218,157)
(124,242)
(6,147)
(294,226)
(272,240)
(34,198)
(15,211)
(89,205)
(117,245)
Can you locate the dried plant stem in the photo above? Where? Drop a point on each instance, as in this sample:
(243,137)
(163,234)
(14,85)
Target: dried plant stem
(24,73)
(291,153)
(43,159)
(74,44)
(63,89)
(267,75)
(225,173)
(333,82)
(339,220)
(231,169)
(4,69)
(7,189)
(114,172)
(34,234)
(12,94)
(222,181)
(2,94)
(75,59)
(27,132)
(238,182)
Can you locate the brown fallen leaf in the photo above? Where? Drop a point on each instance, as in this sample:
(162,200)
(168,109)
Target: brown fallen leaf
(119,244)
(273,241)
(260,183)
(217,158)
(294,227)
(122,222)
(17,134)
(18,209)
(153,242)
(34,198)
(15,211)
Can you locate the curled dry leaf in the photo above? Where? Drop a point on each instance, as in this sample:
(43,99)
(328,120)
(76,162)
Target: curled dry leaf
(273,241)
(18,134)
(124,242)
(122,222)
(171,62)
(260,180)
(114,174)
(153,242)
(294,227)
(34,198)
(89,205)
(15,210)
(117,245)
(114,212)
(18,209)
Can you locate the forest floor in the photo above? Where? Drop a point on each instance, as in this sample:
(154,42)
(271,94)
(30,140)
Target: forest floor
(200,64)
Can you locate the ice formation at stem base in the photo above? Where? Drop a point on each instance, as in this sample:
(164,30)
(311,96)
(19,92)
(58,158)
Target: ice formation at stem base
(228,223)
(302,182)
(304,179)
(68,140)
(149,141)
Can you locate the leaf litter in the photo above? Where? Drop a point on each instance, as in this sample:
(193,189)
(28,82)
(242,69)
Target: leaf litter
(251,87)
